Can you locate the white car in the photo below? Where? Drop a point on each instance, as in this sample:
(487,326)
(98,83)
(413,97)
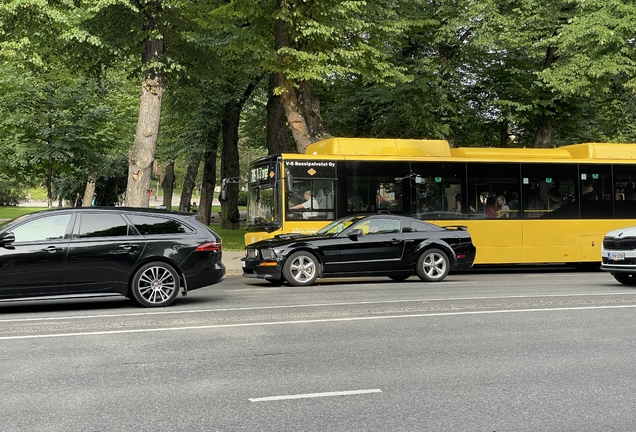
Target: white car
(619,255)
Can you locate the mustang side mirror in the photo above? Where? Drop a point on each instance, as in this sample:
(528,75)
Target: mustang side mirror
(7,238)
(355,233)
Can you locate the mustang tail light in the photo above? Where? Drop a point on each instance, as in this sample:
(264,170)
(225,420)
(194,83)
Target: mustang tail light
(206,247)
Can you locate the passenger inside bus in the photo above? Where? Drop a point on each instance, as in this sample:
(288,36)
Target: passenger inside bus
(491,208)
(535,206)
(589,193)
(502,210)
(555,199)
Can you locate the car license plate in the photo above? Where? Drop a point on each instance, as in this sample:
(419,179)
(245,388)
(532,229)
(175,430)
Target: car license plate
(242,263)
(616,256)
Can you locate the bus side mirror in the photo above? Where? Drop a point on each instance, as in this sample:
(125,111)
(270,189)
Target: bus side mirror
(289,181)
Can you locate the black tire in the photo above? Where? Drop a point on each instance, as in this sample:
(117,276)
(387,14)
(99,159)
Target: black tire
(155,284)
(276,282)
(399,278)
(301,268)
(625,278)
(433,265)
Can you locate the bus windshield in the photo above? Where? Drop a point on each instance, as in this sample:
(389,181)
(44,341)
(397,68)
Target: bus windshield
(262,208)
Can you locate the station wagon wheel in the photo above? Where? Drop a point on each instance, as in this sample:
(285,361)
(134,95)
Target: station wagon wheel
(625,279)
(155,284)
(433,265)
(301,268)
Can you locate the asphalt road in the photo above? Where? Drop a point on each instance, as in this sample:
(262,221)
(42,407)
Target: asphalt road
(481,351)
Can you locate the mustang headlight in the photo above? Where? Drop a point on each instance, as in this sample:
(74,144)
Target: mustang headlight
(268,254)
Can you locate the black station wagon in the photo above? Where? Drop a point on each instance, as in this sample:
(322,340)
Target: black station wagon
(362,245)
(144,254)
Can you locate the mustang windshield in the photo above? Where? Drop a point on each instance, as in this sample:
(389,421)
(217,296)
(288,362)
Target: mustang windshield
(337,226)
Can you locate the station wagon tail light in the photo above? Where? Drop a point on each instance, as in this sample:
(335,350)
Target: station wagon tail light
(206,247)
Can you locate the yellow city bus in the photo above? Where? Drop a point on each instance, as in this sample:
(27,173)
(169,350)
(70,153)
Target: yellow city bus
(559,202)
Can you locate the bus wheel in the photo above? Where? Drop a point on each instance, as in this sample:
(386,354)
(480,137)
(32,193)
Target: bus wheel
(301,268)
(432,265)
(625,279)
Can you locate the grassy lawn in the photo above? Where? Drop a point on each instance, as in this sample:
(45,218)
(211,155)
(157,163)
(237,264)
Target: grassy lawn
(233,240)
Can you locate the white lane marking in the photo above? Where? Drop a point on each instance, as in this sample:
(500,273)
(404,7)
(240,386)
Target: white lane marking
(314,321)
(310,305)
(314,395)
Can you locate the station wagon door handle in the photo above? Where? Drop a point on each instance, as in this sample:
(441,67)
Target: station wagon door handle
(128,246)
(396,241)
(52,249)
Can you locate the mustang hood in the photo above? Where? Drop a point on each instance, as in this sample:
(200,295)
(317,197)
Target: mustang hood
(285,239)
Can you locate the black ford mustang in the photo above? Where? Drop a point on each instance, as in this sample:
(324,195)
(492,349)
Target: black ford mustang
(145,254)
(362,245)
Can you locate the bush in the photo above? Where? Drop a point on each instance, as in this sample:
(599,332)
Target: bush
(242,198)
(9,197)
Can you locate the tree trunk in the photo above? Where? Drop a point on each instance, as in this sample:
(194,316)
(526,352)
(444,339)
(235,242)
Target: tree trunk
(544,132)
(230,167)
(168,185)
(503,133)
(49,188)
(298,124)
(295,119)
(189,182)
(142,154)
(89,190)
(310,108)
(230,216)
(543,137)
(276,125)
(209,176)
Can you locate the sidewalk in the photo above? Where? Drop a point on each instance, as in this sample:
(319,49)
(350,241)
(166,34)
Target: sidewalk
(232,261)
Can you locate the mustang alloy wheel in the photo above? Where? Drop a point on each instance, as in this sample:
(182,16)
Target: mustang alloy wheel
(433,265)
(155,284)
(301,268)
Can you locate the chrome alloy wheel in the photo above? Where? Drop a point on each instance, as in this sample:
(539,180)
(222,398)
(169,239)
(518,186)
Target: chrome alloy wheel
(433,265)
(301,268)
(156,284)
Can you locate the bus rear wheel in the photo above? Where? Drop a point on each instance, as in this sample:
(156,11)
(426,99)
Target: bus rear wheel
(625,278)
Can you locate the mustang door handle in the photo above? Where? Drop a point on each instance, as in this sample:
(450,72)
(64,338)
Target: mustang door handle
(396,241)
(52,249)
(127,246)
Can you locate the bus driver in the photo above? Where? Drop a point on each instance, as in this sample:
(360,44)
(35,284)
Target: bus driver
(309,203)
